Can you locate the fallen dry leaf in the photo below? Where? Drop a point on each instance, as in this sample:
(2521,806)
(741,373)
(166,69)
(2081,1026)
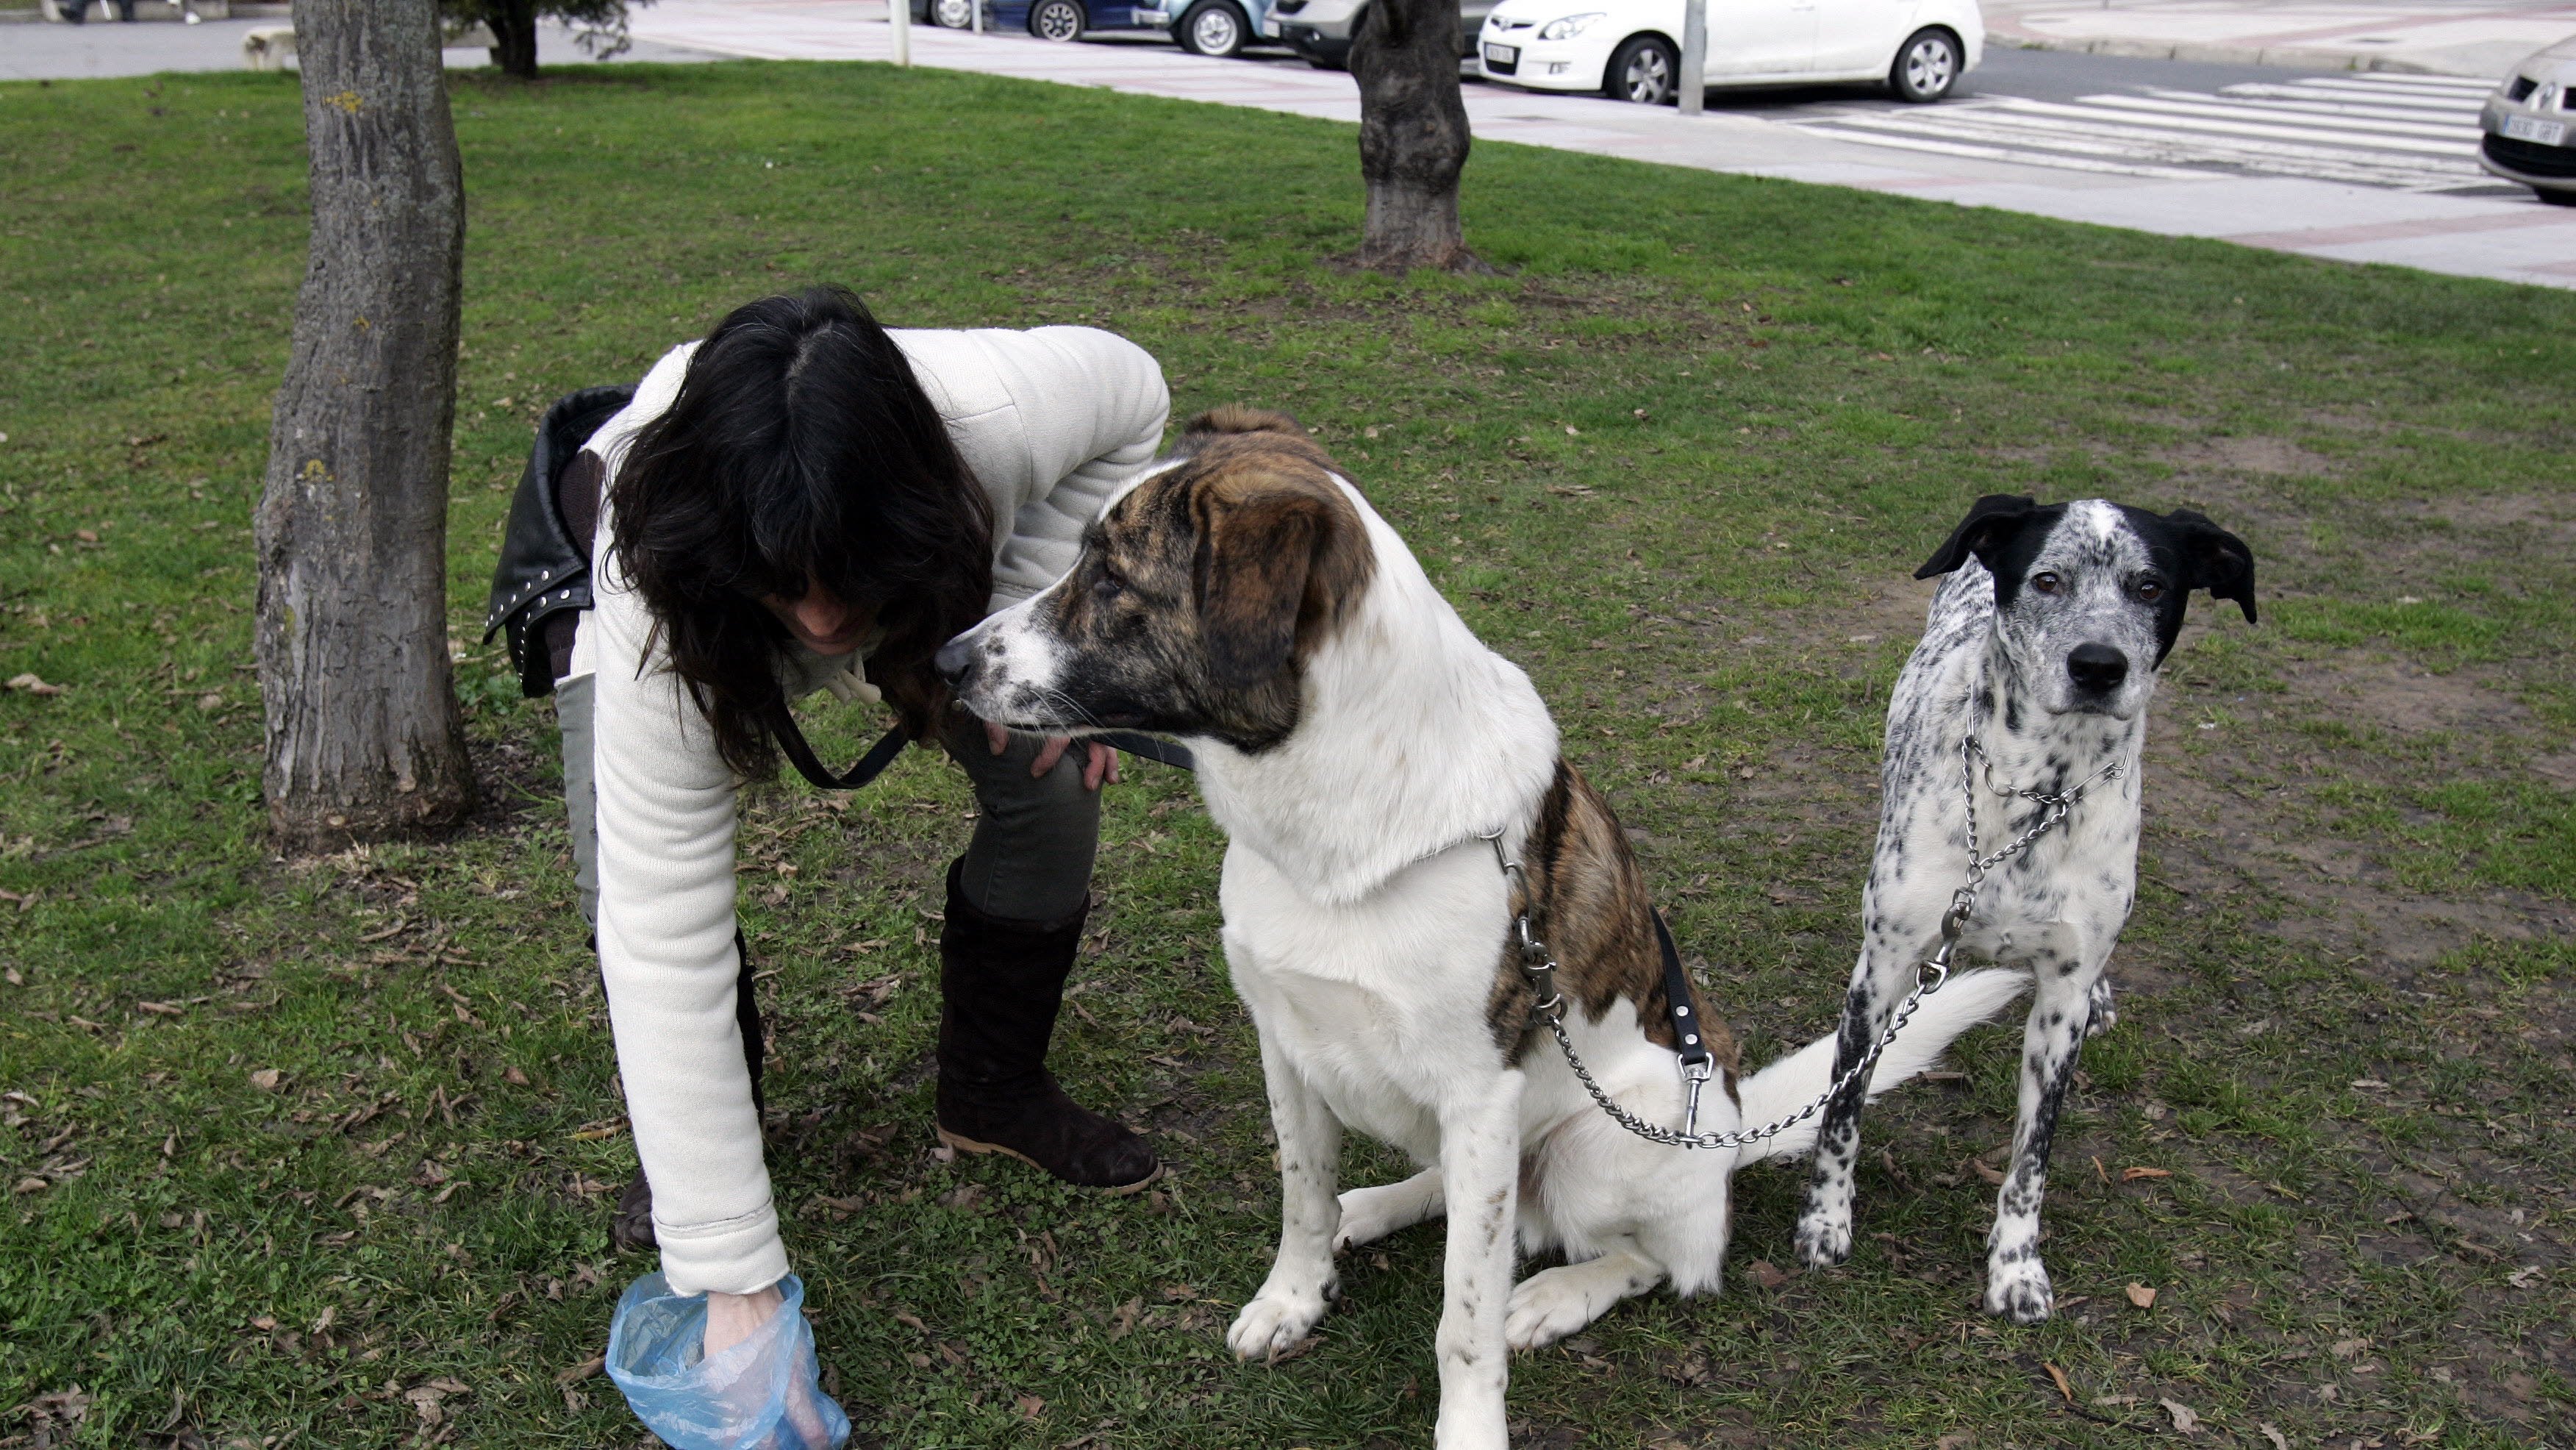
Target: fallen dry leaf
(1031,1407)
(1991,1175)
(33,685)
(2142,1296)
(1767,1274)
(1955,1440)
(265,1079)
(2132,1175)
(2347,1348)
(2063,1388)
(583,1370)
(2279,1440)
(2185,1418)
(514,1077)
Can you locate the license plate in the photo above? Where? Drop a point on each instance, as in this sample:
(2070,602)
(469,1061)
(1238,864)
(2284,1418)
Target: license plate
(1502,54)
(2520,128)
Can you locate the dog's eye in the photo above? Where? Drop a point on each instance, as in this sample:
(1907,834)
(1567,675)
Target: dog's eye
(2151,590)
(1108,583)
(2046,583)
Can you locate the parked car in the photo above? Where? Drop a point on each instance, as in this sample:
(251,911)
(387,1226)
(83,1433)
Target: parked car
(2528,122)
(1322,30)
(1631,49)
(1045,19)
(1211,27)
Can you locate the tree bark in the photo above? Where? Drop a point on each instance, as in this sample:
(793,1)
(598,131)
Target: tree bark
(1413,136)
(364,737)
(514,24)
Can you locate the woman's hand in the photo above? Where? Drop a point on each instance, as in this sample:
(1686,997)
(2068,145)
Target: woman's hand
(1102,764)
(733,1318)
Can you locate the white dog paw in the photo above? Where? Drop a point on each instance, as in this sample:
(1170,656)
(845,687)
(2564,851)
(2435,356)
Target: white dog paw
(1546,1307)
(1370,1214)
(2019,1290)
(2104,1016)
(1824,1238)
(1273,1323)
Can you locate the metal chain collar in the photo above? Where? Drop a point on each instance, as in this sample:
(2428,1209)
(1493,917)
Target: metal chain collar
(1929,975)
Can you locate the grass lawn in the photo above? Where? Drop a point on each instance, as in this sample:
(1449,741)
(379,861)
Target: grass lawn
(321,1152)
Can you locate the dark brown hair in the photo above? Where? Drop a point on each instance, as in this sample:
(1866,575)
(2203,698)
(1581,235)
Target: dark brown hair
(800,454)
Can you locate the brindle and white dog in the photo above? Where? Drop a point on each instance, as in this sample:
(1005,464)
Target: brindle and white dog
(1356,743)
(2043,644)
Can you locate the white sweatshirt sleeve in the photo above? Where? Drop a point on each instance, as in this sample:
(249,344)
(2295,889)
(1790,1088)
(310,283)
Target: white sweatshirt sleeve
(666,926)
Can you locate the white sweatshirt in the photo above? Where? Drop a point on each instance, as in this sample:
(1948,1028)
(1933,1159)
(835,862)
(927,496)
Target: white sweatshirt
(1052,421)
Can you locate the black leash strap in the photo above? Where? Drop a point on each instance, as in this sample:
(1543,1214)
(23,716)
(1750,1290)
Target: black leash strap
(1677,1001)
(791,741)
(782,728)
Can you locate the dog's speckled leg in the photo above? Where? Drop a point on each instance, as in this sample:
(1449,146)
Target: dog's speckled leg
(1879,981)
(2103,1016)
(1301,1279)
(2016,1281)
(1480,1144)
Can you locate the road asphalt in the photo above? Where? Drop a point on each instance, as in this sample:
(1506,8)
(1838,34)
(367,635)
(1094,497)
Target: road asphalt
(2356,165)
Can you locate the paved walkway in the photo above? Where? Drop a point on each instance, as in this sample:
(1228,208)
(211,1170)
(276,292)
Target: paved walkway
(2437,37)
(2510,237)
(149,47)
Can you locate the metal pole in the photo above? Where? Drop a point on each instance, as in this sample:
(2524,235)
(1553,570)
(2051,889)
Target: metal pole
(975,9)
(899,15)
(1694,56)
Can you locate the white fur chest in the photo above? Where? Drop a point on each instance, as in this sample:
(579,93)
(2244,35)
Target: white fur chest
(1379,1003)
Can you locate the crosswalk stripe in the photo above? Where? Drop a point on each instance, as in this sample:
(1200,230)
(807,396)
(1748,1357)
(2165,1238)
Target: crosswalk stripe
(2409,132)
(1991,153)
(2230,128)
(2449,135)
(2147,144)
(2408,116)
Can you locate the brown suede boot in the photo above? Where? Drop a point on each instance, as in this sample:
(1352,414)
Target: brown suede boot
(1000,985)
(632,1227)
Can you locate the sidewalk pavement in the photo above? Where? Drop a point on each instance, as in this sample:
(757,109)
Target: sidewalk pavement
(149,47)
(2509,238)
(2479,38)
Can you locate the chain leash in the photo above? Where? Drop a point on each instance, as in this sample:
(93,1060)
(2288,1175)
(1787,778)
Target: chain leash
(1929,974)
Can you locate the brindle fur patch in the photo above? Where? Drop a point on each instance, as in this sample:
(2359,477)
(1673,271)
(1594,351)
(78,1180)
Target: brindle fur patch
(1200,595)
(1586,900)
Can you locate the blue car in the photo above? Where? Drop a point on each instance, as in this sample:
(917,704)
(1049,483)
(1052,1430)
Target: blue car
(1203,27)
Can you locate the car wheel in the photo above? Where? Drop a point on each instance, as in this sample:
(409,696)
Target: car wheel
(1927,65)
(1213,27)
(1056,20)
(2555,198)
(1644,70)
(953,14)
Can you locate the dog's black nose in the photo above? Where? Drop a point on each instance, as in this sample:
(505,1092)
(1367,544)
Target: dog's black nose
(952,659)
(2097,669)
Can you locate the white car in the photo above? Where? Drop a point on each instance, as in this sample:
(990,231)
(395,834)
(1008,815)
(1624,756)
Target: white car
(1631,49)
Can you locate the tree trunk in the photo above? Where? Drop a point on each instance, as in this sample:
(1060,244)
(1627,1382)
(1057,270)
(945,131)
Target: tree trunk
(1413,136)
(514,24)
(364,737)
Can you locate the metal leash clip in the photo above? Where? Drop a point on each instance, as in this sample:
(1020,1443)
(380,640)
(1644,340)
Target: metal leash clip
(1695,1075)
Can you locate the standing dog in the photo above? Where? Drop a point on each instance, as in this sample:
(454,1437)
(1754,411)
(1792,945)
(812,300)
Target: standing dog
(2042,647)
(1373,765)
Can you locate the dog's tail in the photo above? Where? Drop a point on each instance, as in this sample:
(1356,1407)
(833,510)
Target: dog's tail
(1800,1078)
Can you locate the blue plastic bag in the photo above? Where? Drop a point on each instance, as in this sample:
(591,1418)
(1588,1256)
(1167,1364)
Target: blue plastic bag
(765,1393)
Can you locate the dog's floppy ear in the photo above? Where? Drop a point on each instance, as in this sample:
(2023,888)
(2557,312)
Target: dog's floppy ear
(2220,562)
(1981,533)
(1277,555)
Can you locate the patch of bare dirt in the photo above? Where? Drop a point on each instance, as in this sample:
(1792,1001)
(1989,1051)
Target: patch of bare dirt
(2240,456)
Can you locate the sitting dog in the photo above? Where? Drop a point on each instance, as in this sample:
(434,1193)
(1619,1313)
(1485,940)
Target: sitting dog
(2026,704)
(1375,767)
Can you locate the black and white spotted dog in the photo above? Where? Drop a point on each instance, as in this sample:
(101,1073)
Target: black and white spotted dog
(2042,645)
